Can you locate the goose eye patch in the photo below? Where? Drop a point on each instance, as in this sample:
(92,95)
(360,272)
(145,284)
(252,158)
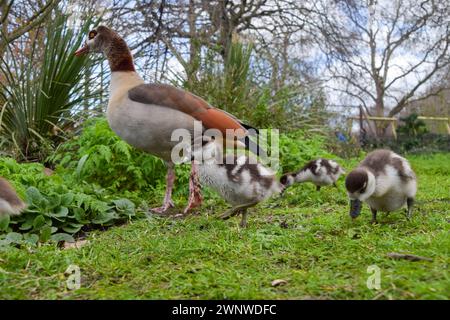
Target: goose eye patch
(92,35)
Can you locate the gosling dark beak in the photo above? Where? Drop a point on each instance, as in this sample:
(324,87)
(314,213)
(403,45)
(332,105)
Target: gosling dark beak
(355,208)
(82,51)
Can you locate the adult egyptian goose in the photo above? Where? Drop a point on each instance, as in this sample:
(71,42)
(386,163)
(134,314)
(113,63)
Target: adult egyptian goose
(10,203)
(320,172)
(146,115)
(384,180)
(242,181)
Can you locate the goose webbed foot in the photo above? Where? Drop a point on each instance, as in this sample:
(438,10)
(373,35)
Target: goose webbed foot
(168,203)
(163,208)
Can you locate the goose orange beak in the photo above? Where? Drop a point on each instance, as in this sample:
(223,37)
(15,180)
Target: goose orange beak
(82,51)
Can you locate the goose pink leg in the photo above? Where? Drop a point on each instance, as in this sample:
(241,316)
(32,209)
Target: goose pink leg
(195,197)
(170,179)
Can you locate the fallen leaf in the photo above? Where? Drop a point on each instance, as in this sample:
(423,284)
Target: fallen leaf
(278,282)
(76,244)
(410,257)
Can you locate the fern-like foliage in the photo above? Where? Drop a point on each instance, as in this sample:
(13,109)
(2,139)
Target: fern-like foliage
(99,156)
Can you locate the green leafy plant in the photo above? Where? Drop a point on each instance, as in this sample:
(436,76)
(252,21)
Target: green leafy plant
(42,89)
(58,206)
(297,148)
(99,156)
(412,126)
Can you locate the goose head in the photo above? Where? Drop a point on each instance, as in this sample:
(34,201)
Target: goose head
(360,185)
(107,41)
(100,40)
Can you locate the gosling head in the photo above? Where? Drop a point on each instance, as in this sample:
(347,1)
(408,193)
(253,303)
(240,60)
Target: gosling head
(206,150)
(287,180)
(360,185)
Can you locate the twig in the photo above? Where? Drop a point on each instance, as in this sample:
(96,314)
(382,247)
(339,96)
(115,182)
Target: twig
(410,257)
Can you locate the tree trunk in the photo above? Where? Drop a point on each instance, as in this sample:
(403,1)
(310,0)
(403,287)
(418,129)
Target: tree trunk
(194,46)
(380,126)
(226,30)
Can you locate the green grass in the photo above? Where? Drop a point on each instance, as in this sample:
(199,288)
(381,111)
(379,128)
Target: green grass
(321,254)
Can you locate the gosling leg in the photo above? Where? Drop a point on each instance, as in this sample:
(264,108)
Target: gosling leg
(374,215)
(235,210)
(410,204)
(243,223)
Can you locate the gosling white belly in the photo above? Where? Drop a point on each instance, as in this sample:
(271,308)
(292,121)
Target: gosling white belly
(391,192)
(323,180)
(387,203)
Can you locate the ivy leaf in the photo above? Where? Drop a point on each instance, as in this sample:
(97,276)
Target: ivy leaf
(14,237)
(72,228)
(45,234)
(4,222)
(54,201)
(60,213)
(67,199)
(125,206)
(81,216)
(31,238)
(34,196)
(39,222)
(104,217)
(59,237)
(28,223)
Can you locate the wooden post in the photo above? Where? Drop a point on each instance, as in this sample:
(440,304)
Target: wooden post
(350,126)
(394,132)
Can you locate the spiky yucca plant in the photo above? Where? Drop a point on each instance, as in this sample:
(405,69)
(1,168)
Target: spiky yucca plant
(40,90)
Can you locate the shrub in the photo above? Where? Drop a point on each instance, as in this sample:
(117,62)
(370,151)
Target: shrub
(99,156)
(420,144)
(297,148)
(42,89)
(58,206)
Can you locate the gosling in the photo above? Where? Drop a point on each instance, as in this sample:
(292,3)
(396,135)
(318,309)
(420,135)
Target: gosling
(241,181)
(385,181)
(320,172)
